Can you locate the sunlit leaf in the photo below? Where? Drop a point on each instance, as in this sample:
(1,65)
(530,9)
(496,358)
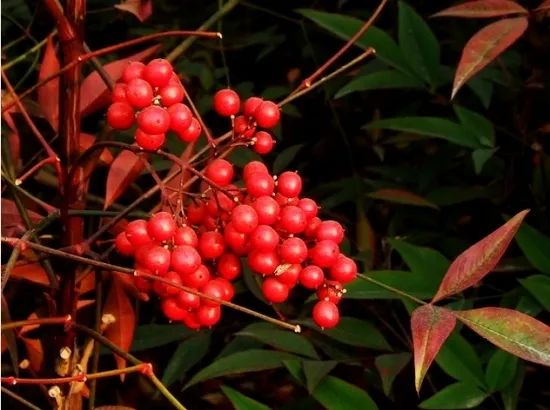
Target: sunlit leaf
(124,170)
(482,9)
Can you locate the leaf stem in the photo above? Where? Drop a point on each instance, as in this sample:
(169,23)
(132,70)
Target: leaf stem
(61,320)
(391,289)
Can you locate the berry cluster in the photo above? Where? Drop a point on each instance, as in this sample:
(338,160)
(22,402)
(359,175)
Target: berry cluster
(266,222)
(151,95)
(256,113)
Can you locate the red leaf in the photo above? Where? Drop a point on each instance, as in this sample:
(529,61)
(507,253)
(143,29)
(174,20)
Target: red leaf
(401,196)
(486,45)
(482,9)
(35,353)
(479,259)
(513,331)
(87,140)
(121,332)
(431,326)
(32,272)
(544,6)
(142,9)
(11,220)
(48,94)
(94,93)
(124,170)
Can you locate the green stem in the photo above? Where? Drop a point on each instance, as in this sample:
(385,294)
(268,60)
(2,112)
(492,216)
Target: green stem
(23,56)
(391,289)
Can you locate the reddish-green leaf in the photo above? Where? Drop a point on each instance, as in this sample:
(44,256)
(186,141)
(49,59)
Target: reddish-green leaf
(482,9)
(11,220)
(431,326)
(121,332)
(486,45)
(513,331)
(124,170)
(479,259)
(94,94)
(87,140)
(142,9)
(48,94)
(32,272)
(401,196)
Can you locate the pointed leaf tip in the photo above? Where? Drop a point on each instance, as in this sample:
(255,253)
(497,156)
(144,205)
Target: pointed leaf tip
(479,259)
(431,326)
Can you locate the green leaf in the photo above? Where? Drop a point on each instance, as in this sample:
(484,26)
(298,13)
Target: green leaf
(153,335)
(336,394)
(379,80)
(401,196)
(315,371)
(477,125)
(534,246)
(431,126)
(241,362)
(280,339)
(510,396)
(285,158)
(354,332)
(422,286)
(345,27)
(458,359)
(242,402)
(188,353)
(294,367)
(459,395)
(250,280)
(421,260)
(539,287)
(418,44)
(389,366)
(500,370)
(480,156)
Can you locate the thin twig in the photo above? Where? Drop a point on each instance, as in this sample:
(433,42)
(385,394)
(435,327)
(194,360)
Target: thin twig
(62,320)
(20,399)
(391,289)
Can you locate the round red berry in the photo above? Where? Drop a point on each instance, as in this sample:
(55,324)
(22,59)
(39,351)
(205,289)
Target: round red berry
(275,291)
(172,310)
(229,266)
(289,274)
(180,117)
(312,277)
(196,213)
(226,102)
(267,208)
(149,142)
(244,218)
(192,132)
(161,226)
(158,72)
(209,315)
(292,219)
(185,259)
(253,167)
(220,171)
(173,277)
(198,278)
(139,93)
(267,114)
(228,289)
(344,270)
(251,105)
(263,262)
(171,94)
(123,245)
(289,184)
(212,289)
(187,300)
(120,115)
(311,228)
(136,232)
(264,238)
(119,93)
(259,184)
(324,253)
(211,245)
(237,241)
(153,120)
(330,230)
(133,70)
(185,235)
(331,291)
(309,206)
(326,314)
(263,143)
(293,250)
(156,260)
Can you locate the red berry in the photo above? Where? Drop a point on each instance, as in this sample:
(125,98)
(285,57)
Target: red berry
(196,213)
(180,117)
(192,132)
(120,116)
(243,128)
(312,277)
(171,94)
(188,300)
(211,245)
(229,266)
(139,93)
(267,114)
(156,260)
(289,184)
(259,184)
(149,142)
(191,321)
(119,93)
(344,270)
(293,250)
(288,274)
(142,284)
(185,235)
(215,290)
(253,167)
(267,208)
(275,291)
(324,253)
(311,228)
(309,206)
(331,291)
(198,278)
(153,120)
(209,315)
(141,254)
(173,277)
(264,238)
(237,241)
(158,72)
(226,102)
(161,226)
(133,70)
(263,143)
(228,289)
(263,262)
(171,309)
(326,314)
(251,105)
(220,171)
(185,259)
(219,204)
(123,245)
(136,232)
(330,230)
(293,219)
(244,218)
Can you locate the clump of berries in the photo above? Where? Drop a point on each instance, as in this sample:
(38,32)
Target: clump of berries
(152,96)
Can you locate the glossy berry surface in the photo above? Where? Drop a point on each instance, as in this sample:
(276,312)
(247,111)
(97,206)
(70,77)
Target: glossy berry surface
(326,314)
(120,116)
(226,102)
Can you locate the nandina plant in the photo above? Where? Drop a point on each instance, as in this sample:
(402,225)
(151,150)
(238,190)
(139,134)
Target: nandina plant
(211,230)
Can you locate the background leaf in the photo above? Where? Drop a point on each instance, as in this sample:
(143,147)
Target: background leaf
(482,9)
(242,402)
(455,396)
(534,246)
(48,94)
(386,79)
(389,366)
(336,394)
(401,196)
(124,170)
(188,353)
(501,370)
(539,287)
